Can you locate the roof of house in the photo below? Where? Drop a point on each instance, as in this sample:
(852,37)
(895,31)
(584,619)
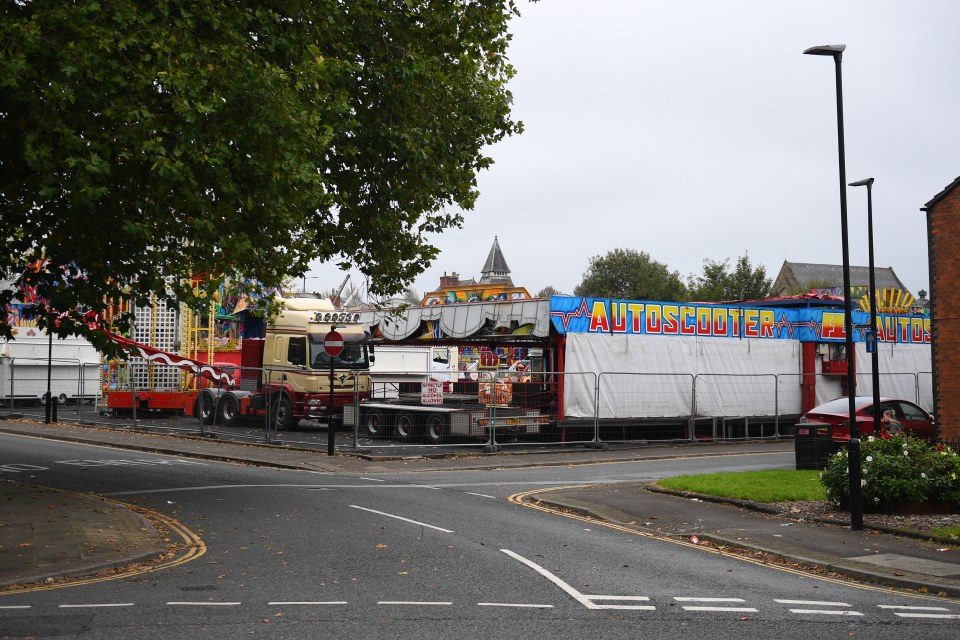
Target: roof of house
(812,273)
(937,198)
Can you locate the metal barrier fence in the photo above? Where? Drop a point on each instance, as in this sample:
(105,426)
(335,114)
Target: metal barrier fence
(28,378)
(482,409)
(733,401)
(491,410)
(24,382)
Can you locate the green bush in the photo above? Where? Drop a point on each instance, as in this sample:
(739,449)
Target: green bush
(901,469)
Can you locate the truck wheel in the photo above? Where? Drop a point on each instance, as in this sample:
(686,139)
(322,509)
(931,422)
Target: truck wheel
(375,428)
(229,410)
(404,427)
(436,429)
(283,414)
(205,407)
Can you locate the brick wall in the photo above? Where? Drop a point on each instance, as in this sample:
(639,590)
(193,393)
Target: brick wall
(943,229)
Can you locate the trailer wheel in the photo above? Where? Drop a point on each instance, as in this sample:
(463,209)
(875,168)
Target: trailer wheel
(404,427)
(205,408)
(375,427)
(283,413)
(436,429)
(229,409)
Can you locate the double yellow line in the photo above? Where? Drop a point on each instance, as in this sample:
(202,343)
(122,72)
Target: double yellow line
(192,548)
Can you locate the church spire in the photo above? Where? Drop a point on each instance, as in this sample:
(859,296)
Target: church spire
(495,269)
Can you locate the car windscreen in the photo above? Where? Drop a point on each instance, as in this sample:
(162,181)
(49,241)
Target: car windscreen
(353,356)
(839,406)
(913,412)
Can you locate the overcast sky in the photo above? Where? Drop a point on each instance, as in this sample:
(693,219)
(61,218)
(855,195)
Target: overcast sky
(695,129)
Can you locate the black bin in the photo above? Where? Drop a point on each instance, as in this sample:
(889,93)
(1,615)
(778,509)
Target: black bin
(814,444)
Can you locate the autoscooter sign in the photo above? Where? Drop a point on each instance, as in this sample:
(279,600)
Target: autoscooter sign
(333,344)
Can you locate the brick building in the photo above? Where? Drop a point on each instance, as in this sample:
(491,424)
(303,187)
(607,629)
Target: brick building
(804,277)
(943,239)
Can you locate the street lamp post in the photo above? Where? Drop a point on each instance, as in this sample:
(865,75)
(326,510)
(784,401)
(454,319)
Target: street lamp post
(48,401)
(874,355)
(853,448)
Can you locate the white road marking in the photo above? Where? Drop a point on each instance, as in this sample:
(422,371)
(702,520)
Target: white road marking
(585,600)
(284,604)
(570,591)
(263,486)
(217,486)
(480,495)
(939,616)
(820,603)
(730,609)
(16,606)
(827,612)
(20,468)
(318,487)
(515,604)
(82,606)
(125,462)
(521,483)
(689,599)
(390,515)
(412,602)
(374,479)
(204,604)
(902,606)
(636,598)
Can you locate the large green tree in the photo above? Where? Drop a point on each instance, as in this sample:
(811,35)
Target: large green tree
(142,142)
(718,283)
(630,275)
(547,291)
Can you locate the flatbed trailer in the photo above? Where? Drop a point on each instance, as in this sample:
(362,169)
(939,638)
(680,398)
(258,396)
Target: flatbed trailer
(460,415)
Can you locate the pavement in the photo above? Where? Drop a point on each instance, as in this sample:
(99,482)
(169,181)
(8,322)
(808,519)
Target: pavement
(47,535)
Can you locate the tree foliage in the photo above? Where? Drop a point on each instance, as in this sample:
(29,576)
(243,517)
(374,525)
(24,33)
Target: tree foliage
(718,283)
(630,275)
(141,143)
(548,291)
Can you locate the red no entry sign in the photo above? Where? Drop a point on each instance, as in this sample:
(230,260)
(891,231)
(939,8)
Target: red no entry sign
(333,344)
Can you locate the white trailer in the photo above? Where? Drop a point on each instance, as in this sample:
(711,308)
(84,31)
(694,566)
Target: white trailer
(394,365)
(74,367)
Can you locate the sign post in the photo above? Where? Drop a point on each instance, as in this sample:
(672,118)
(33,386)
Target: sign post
(333,347)
(871,341)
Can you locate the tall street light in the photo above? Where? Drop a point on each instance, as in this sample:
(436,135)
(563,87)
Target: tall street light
(853,448)
(874,355)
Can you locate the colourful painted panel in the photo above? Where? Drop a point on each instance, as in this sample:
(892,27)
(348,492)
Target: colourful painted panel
(644,317)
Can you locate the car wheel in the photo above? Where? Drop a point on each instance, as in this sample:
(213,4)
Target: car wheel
(404,427)
(283,413)
(205,407)
(374,422)
(436,429)
(229,409)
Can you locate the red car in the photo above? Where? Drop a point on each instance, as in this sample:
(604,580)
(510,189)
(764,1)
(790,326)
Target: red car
(914,419)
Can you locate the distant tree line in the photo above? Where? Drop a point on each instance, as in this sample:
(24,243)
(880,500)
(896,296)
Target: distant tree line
(628,274)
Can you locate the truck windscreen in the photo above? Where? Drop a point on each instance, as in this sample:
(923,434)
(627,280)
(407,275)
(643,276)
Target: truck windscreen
(353,356)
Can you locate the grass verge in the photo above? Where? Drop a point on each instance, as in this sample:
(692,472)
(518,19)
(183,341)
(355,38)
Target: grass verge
(777,485)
